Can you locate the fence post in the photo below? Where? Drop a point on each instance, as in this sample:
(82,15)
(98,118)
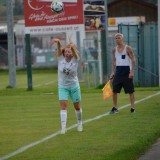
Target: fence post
(29,67)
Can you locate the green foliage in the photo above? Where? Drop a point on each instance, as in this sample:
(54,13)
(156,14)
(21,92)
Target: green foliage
(2,8)
(100,86)
(18,8)
(3,2)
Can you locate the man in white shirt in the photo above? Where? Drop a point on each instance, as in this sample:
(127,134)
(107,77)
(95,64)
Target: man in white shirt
(122,71)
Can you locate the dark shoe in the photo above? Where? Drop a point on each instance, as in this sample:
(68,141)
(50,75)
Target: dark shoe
(114,110)
(132,110)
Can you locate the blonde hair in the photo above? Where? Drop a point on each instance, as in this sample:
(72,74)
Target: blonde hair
(73,49)
(118,34)
(72,46)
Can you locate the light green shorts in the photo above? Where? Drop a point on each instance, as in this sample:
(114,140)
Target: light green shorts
(73,92)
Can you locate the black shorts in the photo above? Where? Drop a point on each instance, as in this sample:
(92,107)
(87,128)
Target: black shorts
(124,82)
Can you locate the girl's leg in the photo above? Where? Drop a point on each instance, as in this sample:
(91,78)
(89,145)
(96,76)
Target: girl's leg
(63,115)
(78,111)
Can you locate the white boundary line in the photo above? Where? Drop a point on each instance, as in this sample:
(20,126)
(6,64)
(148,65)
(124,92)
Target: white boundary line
(22,149)
(45,84)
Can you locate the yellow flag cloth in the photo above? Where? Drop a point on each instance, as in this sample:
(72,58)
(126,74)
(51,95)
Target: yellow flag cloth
(107,90)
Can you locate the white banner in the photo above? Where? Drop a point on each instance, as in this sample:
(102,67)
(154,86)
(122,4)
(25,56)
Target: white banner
(53,29)
(70,1)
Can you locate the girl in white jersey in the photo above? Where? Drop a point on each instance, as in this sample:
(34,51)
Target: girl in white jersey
(122,71)
(68,84)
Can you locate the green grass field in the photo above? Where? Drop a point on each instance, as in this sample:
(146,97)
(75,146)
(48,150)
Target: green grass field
(30,116)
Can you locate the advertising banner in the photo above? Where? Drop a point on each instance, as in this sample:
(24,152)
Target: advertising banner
(94,13)
(40,19)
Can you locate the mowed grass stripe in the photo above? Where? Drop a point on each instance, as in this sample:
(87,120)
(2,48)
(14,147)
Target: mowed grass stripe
(69,128)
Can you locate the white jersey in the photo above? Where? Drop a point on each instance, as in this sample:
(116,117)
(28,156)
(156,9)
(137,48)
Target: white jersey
(122,59)
(67,72)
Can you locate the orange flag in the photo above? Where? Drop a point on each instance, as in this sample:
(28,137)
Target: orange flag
(107,90)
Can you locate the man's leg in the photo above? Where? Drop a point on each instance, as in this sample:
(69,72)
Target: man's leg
(115,100)
(114,109)
(132,99)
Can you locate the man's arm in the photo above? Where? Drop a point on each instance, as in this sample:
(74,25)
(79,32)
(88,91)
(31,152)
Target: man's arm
(133,60)
(113,64)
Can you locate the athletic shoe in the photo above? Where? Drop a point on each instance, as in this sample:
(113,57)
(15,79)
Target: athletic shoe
(63,130)
(132,110)
(114,110)
(79,127)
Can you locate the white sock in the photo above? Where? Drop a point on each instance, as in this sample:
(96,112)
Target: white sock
(63,115)
(79,116)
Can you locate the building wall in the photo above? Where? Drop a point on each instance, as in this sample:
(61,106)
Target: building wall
(124,8)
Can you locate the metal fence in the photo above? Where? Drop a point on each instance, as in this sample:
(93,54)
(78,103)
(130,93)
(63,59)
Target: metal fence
(142,38)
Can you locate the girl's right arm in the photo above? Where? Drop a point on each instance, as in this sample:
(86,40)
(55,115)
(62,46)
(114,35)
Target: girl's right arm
(59,46)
